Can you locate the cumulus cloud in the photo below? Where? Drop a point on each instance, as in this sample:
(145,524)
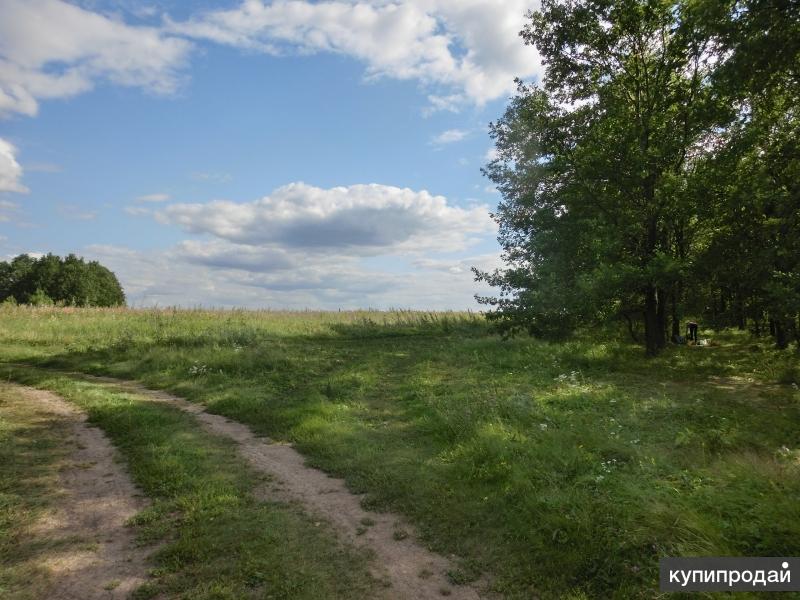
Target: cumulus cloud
(465,51)
(360,219)
(484,262)
(449,137)
(302,246)
(54,49)
(10,169)
(221,254)
(175,277)
(470,47)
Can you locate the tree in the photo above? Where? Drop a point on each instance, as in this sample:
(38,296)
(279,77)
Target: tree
(70,281)
(754,252)
(595,164)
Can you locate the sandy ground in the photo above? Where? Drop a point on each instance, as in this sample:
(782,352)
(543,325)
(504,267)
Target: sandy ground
(90,553)
(411,570)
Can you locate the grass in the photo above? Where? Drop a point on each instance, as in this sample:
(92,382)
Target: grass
(557,469)
(216,539)
(32,448)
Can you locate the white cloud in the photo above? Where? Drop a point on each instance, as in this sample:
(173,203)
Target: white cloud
(449,137)
(302,246)
(222,254)
(491,154)
(54,49)
(484,262)
(10,169)
(359,220)
(469,49)
(451,103)
(158,197)
(465,51)
(177,277)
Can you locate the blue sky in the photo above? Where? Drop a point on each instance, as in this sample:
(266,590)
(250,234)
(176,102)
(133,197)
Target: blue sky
(288,154)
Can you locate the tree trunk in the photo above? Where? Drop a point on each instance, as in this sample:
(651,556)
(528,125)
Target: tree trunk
(631,328)
(676,321)
(795,331)
(781,337)
(653,333)
(741,321)
(661,315)
(651,324)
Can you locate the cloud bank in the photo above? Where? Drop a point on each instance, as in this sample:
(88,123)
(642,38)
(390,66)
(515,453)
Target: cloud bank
(172,278)
(471,46)
(355,246)
(463,52)
(53,49)
(361,220)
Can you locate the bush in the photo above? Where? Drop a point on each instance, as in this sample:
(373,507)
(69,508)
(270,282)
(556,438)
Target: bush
(39,298)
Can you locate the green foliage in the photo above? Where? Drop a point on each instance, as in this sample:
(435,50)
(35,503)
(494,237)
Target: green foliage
(39,298)
(70,281)
(653,170)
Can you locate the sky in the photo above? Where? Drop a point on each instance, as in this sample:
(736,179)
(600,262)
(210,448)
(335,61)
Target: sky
(285,154)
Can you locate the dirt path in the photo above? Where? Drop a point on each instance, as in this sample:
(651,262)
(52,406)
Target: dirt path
(90,553)
(412,571)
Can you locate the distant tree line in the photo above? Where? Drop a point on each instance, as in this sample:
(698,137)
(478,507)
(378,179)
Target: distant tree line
(654,171)
(69,281)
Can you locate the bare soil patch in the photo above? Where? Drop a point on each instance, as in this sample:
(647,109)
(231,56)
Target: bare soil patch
(89,552)
(410,570)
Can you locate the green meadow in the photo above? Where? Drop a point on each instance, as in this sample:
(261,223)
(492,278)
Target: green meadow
(557,470)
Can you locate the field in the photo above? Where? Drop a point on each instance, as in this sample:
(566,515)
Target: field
(547,469)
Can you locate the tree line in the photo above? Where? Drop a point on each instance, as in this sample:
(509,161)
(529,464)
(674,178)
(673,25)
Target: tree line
(50,279)
(654,171)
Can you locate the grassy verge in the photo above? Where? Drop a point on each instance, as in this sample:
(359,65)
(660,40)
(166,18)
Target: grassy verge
(559,469)
(32,447)
(218,540)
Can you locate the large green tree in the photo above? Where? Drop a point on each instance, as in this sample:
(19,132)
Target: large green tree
(756,175)
(626,171)
(70,281)
(593,163)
